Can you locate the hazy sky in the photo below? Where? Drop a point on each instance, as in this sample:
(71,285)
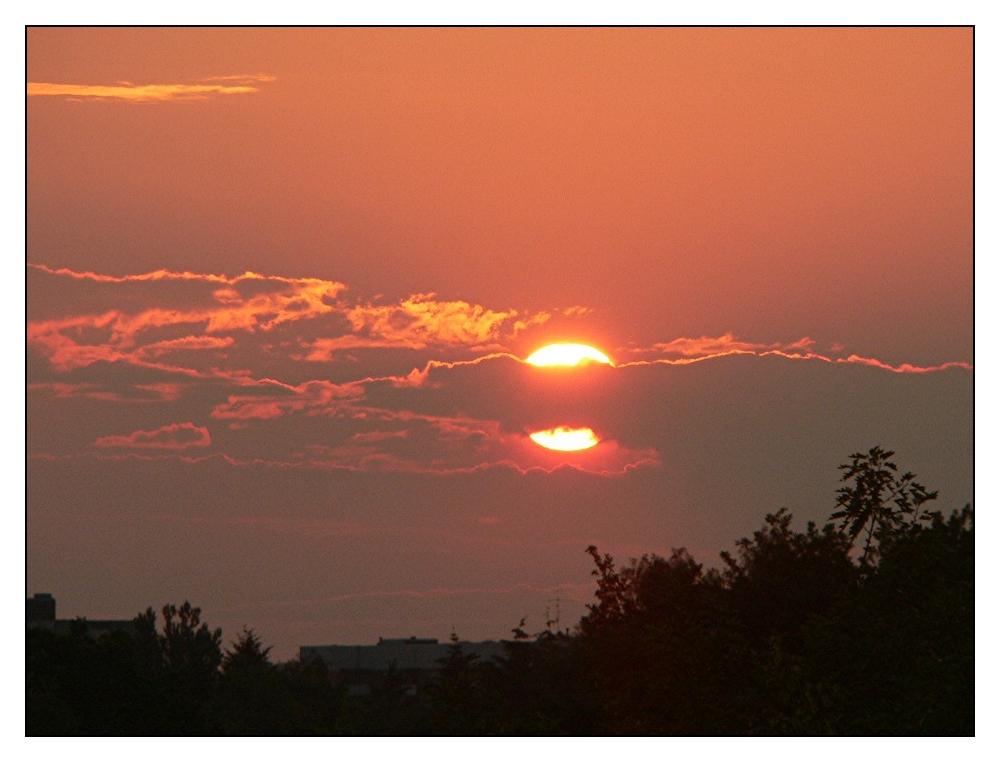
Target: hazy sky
(281,282)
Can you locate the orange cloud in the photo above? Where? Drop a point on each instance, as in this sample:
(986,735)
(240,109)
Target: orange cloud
(174,436)
(187,343)
(272,301)
(423,320)
(253,303)
(153,93)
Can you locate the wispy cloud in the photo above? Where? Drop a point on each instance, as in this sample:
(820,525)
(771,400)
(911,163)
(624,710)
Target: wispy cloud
(241,78)
(712,345)
(153,275)
(903,367)
(174,436)
(231,84)
(684,351)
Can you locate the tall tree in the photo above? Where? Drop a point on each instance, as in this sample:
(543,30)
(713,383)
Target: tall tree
(877,501)
(189,646)
(246,652)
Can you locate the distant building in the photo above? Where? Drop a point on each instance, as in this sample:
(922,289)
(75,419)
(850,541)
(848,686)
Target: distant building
(40,613)
(412,659)
(41,607)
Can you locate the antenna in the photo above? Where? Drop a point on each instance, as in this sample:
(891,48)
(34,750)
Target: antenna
(549,620)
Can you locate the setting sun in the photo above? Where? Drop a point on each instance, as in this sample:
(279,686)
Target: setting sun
(565,439)
(567,355)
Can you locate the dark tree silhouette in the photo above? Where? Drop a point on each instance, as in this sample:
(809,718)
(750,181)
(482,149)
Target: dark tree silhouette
(778,579)
(666,654)
(878,502)
(191,651)
(519,632)
(457,691)
(898,658)
(246,652)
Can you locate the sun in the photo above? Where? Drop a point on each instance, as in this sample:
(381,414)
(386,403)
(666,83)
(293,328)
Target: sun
(567,355)
(565,439)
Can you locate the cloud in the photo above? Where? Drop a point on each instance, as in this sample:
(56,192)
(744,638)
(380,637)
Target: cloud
(327,426)
(423,320)
(186,343)
(714,345)
(903,367)
(132,325)
(156,392)
(242,78)
(182,321)
(246,303)
(684,351)
(156,275)
(174,436)
(314,397)
(152,93)
(298,376)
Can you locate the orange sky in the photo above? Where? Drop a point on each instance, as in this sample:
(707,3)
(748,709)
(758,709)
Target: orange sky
(789,208)
(775,183)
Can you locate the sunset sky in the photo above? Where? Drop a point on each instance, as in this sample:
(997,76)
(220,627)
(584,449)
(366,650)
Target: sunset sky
(282,285)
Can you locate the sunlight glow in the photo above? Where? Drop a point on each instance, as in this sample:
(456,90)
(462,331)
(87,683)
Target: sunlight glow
(567,355)
(565,439)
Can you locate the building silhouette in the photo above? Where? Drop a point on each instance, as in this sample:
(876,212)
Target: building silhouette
(413,660)
(40,613)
